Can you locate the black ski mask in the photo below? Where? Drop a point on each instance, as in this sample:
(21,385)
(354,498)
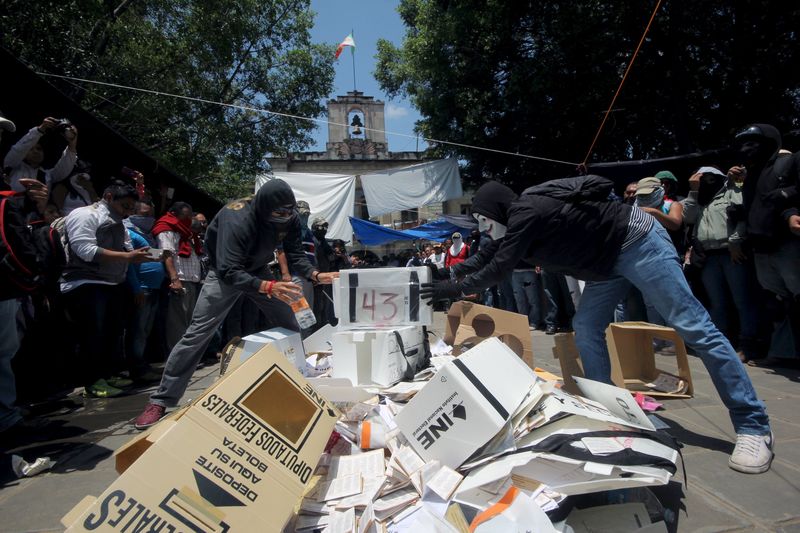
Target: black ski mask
(276,195)
(711,182)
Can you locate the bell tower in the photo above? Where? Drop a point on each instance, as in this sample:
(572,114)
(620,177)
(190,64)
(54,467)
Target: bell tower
(356,127)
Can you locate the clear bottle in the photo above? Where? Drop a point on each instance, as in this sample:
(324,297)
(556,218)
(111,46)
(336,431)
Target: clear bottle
(302,312)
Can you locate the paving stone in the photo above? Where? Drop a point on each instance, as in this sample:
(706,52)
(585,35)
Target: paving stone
(716,418)
(769,497)
(697,511)
(40,505)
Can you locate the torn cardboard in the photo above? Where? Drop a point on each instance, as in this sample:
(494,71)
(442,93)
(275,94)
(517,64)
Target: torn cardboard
(633,361)
(240,457)
(469,323)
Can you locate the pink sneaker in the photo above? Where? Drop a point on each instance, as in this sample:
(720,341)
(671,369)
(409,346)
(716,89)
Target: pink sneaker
(151,414)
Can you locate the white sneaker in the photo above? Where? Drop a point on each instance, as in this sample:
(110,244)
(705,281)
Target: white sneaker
(752,454)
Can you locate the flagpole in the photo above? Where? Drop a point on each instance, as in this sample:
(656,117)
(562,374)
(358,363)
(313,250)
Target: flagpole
(353,57)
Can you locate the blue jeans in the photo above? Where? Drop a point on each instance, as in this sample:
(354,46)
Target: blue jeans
(526,293)
(652,265)
(560,308)
(721,275)
(9,344)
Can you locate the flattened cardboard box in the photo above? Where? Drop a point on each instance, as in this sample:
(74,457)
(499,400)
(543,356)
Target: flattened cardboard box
(193,480)
(263,416)
(465,403)
(633,361)
(469,323)
(374,356)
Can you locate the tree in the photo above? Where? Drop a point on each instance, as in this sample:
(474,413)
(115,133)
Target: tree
(246,53)
(536,78)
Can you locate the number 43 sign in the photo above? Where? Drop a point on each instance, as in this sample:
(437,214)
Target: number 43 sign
(379,306)
(383,297)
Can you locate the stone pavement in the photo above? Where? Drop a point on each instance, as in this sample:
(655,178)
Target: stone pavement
(715,499)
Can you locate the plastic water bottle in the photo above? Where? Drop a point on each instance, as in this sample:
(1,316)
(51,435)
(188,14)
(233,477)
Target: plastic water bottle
(302,312)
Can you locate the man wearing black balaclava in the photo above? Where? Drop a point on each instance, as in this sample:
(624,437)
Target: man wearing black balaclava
(241,241)
(571,226)
(772,208)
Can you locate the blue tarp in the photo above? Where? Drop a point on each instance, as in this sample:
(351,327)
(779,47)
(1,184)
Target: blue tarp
(371,234)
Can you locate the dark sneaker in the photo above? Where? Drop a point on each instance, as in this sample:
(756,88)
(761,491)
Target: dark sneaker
(151,414)
(550,330)
(752,454)
(101,389)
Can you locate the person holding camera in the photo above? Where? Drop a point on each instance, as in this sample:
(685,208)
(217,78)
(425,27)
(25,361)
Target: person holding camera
(24,159)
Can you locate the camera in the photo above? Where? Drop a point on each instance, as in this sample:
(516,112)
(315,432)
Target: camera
(62,125)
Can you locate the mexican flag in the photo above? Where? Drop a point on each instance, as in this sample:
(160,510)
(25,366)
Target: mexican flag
(348,41)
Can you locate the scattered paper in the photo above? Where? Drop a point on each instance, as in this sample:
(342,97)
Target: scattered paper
(369,464)
(342,522)
(340,488)
(22,468)
(444,482)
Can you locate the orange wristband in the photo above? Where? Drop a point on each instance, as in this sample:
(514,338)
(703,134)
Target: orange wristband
(269,287)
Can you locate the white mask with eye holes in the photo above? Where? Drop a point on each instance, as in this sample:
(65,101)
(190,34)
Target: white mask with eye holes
(494,229)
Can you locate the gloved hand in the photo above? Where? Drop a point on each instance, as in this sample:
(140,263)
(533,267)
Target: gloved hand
(438,273)
(441,290)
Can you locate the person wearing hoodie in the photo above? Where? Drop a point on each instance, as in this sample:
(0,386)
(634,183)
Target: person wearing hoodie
(241,242)
(718,243)
(570,226)
(771,195)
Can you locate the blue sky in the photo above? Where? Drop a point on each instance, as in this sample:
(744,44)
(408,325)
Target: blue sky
(369,20)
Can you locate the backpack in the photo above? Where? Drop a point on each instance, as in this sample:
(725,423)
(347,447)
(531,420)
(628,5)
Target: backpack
(31,254)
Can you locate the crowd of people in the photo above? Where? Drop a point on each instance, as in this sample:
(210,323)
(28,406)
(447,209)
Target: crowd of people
(140,286)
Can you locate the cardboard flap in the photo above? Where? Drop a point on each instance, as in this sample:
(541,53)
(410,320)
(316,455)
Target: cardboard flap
(129,452)
(76,512)
(467,320)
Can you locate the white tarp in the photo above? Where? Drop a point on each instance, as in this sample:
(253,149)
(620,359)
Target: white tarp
(328,195)
(411,187)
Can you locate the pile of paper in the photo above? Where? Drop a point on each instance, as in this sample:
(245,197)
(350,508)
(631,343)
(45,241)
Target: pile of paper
(485,444)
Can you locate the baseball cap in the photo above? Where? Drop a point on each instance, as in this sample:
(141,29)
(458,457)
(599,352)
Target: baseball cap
(666,175)
(303,208)
(647,185)
(6,124)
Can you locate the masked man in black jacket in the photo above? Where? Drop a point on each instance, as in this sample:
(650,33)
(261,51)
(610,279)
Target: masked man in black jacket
(570,226)
(241,241)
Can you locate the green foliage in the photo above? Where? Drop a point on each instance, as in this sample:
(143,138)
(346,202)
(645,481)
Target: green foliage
(248,53)
(536,78)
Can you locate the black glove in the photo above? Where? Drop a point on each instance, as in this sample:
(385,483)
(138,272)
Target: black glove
(441,290)
(438,273)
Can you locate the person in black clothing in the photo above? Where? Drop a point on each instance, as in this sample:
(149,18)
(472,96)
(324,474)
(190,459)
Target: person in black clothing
(771,197)
(570,226)
(241,241)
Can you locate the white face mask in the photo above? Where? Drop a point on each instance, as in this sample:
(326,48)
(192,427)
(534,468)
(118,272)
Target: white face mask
(494,229)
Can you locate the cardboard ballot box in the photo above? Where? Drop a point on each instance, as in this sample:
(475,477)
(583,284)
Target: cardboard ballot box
(285,340)
(375,357)
(633,360)
(469,323)
(238,459)
(382,297)
(465,403)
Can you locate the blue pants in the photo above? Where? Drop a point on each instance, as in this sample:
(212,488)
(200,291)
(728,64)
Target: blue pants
(651,264)
(9,344)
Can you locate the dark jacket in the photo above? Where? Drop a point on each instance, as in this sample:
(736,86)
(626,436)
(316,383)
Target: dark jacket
(241,240)
(771,196)
(565,225)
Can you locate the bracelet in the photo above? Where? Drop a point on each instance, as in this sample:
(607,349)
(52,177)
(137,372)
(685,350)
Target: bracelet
(269,287)
(315,276)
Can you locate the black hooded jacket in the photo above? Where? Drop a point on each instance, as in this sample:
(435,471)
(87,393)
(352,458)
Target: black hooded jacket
(771,193)
(565,225)
(241,240)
